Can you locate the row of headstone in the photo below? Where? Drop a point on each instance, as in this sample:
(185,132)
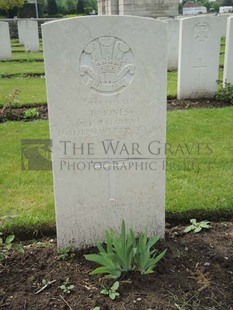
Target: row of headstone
(173,35)
(193,49)
(28,34)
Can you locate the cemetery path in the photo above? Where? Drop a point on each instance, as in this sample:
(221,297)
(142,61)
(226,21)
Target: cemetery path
(18,113)
(196,273)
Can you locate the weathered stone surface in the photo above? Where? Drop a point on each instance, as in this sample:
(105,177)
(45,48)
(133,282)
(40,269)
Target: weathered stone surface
(106,86)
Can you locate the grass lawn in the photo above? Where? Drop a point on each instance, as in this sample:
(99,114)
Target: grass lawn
(29,194)
(32,90)
(18,68)
(28,56)
(172,84)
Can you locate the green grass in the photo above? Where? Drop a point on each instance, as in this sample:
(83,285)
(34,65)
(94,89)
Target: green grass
(32,90)
(29,56)
(172,84)
(29,194)
(207,188)
(8,68)
(16,47)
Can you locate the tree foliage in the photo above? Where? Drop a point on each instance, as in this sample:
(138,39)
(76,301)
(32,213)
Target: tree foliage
(52,7)
(80,7)
(7,5)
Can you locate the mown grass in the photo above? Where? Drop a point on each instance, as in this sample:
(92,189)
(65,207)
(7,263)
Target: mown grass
(16,68)
(20,48)
(32,91)
(27,194)
(207,187)
(28,56)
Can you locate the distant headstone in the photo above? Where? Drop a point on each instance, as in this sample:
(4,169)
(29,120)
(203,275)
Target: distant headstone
(106,88)
(5,42)
(198,61)
(173,44)
(228,62)
(31,36)
(223,24)
(21,31)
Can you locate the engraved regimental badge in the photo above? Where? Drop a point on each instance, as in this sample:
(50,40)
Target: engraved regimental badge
(107,65)
(201,31)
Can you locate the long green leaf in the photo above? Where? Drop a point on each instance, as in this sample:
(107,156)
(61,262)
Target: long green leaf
(152,242)
(160,256)
(100,247)
(108,241)
(123,240)
(9,239)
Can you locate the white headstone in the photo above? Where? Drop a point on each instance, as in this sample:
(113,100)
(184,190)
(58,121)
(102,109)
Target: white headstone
(21,30)
(223,24)
(106,85)
(198,61)
(31,36)
(5,42)
(173,44)
(228,61)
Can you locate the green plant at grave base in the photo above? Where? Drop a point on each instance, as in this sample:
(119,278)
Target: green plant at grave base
(66,287)
(118,256)
(124,253)
(7,244)
(96,308)
(64,253)
(197,226)
(12,99)
(112,291)
(31,113)
(225,92)
(145,258)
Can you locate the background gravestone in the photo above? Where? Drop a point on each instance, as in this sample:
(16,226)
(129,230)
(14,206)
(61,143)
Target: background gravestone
(21,30)
(223,23)
(5,42)
(106,83)
(31,36)
(228,61)
(198,61)
(173,44)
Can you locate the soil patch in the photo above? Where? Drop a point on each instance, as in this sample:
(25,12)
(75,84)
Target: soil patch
(17,114)
(196,273)
(175,104)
